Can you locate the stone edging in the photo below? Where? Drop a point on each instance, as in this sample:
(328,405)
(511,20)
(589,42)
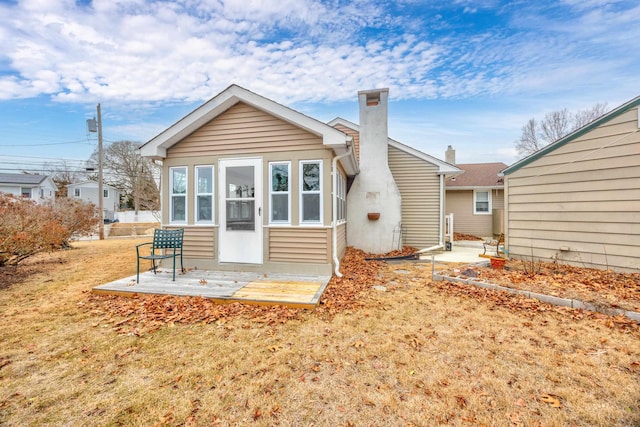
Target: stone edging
(565,302)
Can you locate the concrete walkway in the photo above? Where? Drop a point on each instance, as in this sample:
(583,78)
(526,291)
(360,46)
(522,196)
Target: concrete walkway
(465,251)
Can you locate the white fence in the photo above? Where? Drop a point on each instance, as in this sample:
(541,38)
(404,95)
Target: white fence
(129,217)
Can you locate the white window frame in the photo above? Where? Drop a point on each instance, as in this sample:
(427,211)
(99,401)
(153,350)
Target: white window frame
(302,192)
(198,193)
(105,193)
(475,202)
(172,195)
(76,192)
(341,198)
(280,193)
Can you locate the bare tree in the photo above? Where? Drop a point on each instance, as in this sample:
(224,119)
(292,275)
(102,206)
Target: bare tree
(529,141)
(63,174)
(583,117)
(555,125)
(132,174)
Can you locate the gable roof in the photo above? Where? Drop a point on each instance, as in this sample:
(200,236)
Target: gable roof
(478,175)
(573,135)
(22,178)
(331,137)
(443,167)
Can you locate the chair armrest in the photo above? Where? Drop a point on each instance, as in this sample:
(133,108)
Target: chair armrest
(142,244)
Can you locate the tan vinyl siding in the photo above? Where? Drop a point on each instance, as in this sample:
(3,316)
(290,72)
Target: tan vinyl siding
(460,203)
(300,244)
(583,196)
(419,187)
(244,130)
(198,242)
(341,239)
(356,138)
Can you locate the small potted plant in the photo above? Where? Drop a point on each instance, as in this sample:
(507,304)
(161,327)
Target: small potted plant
(498,262)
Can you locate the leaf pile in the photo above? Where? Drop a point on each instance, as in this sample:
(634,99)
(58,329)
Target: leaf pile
(463,236)
(604,288)
(146,313)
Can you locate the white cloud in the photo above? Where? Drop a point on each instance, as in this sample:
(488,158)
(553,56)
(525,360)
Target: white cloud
(294,50)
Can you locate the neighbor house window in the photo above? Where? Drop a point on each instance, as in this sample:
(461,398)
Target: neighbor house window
(204,193)
(279,194)
(26,192)
(341,198)
(105,193)
(76,192)
(311,191)
(178,194)
(481,202)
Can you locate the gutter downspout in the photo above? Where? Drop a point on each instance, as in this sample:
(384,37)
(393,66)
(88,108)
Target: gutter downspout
(441,226)
(334,176)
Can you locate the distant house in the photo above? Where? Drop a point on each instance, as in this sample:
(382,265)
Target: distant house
(476,198)
(258,186)
(578,199)
(88,192)
(39,188)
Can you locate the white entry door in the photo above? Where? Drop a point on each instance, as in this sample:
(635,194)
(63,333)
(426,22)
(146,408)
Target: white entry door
(240,237)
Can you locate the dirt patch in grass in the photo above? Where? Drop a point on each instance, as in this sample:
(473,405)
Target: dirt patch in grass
(413,352)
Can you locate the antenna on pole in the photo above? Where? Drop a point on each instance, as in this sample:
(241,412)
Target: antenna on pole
(93,126)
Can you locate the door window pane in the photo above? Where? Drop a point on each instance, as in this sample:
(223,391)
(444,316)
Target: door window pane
(240,181)
(240,191)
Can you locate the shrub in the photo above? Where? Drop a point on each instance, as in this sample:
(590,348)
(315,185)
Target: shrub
(27,228)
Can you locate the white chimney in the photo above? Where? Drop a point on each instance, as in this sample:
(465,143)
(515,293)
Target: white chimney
(374,210)
(450,155)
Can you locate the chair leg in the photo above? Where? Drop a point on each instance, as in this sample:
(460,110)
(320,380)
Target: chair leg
(138,272)
(174,268)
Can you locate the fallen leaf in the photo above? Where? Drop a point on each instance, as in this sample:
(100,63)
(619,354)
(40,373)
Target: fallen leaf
(553,401)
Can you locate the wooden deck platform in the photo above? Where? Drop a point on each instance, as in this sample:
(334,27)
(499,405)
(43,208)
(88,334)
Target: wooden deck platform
(225,287)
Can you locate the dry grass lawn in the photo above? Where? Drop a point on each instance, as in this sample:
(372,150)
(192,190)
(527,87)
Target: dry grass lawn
(421,353)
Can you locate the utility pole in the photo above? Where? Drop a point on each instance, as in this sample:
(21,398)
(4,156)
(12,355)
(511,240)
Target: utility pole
(92,126)
(100,189)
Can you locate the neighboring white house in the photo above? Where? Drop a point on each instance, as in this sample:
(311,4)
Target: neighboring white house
(39,188)
(88,192)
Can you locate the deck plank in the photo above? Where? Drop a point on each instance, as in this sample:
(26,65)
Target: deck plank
(225,287)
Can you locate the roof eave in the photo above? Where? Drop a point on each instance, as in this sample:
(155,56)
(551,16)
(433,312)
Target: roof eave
(156,148)
(573,135)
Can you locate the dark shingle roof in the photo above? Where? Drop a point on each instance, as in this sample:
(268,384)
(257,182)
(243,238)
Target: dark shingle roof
(478,175)
(21,178)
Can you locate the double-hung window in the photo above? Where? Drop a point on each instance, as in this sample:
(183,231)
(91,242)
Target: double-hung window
(279,192)
(105,193)
(204,194)
(311,192)
(76,192)
(481,202)
(178,194)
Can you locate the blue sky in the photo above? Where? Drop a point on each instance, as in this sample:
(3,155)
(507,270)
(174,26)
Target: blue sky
(464,73)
